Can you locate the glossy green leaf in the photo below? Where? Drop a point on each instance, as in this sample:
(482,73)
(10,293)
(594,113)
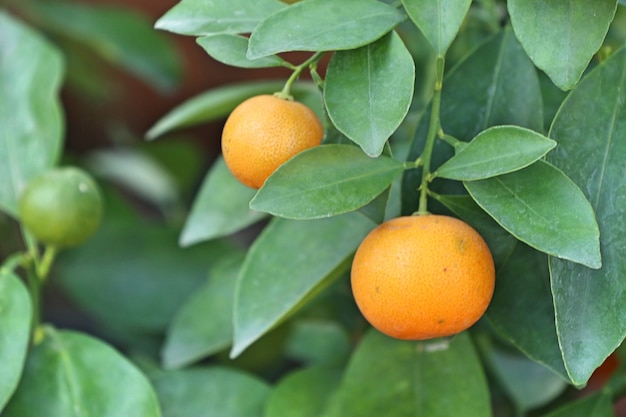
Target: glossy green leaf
(528,384)
(495,151)
(590,305)
(551,33)
(325,181)
(15,318)
(71,374)
(203,325)
(439,21)
(217,103)
(323,25)
(522,311)
(280,267)
(368,91)
(599,404)
(542,207)
(389,377)
(501,243)
(118,35)
(231,50)
(205,17)
(210,392)
(31,123)
(220,207)
(143,260)
(303,393)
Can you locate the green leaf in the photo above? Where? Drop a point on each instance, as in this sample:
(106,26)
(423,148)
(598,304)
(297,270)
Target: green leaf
(542,207)
(205,17)
(231,50)
(598,404)
(15,318)
(501,243)
(31,136)
(220,207)
(551,34)
(495,151)
(368,91)
(522,311)
(325,181)
(435,379)
(318,342)
(217,103)
(71,374)
(119,36)
(439,21)
(303,393)
(590,305)
(279,267)
(203,326)
(528,384)
(142,259)
(323,25)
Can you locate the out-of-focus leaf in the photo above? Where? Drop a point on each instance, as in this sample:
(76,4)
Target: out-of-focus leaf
(599,404)
(210,392)
(434,378)
(323,25)
(31,123)
(368,91)
(318,342)
(280,267)
(325,181)
(117,34)
(15,318)
(590,128)
(551,34)
(220,207)
(71,374)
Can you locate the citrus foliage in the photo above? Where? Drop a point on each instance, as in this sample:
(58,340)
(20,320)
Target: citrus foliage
(508,115)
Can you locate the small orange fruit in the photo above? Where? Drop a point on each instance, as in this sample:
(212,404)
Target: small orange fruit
(422,277)
(264,132)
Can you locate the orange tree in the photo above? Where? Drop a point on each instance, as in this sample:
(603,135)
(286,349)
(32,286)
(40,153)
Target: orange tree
(509,116)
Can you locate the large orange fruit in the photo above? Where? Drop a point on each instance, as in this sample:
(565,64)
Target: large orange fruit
(265,131)
(422,277)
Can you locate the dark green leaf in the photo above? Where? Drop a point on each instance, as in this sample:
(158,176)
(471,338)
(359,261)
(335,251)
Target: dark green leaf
(368,91)
(590,305)
(303,393)
(31,123)
(210,392)
(439,21)
(15,317)
(495,151)
(202,17)
(599,404)
(220,207)
(325,181)
(389,377)
(323,25)
(132,266)
(280,267)
(318,342)
(119,36)
(71,374)
(231,50)
(522,311)
(203,326)
(219,102)
(501,243)
(542,207)
(551,34)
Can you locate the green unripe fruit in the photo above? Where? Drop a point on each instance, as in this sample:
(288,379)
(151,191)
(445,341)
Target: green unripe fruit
(61,207)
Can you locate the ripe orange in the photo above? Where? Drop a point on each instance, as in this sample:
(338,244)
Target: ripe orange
(422,277)
(265,131)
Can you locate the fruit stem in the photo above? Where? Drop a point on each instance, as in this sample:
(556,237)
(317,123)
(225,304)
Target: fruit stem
(285,93)
(34,288)
(46,262)
(434,128)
